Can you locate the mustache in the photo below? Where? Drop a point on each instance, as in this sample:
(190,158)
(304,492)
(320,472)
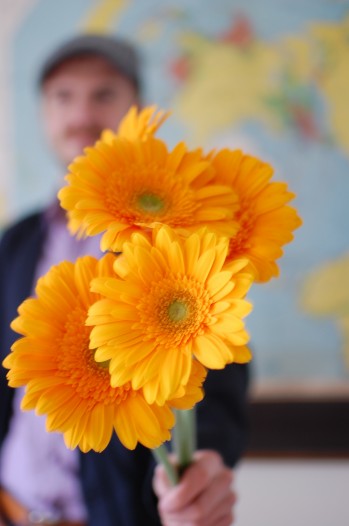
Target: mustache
(76,131)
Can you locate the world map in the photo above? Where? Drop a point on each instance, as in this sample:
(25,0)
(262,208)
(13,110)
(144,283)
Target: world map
(271,78)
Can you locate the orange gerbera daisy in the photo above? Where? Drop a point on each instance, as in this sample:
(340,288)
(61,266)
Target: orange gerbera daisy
(137,124)
(265,220)
(122,185)
(62,378)
(141,124)
(172,301)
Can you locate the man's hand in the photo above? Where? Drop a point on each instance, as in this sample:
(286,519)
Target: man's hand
(204,496)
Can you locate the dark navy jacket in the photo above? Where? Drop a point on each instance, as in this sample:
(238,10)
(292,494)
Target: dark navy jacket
(116,482)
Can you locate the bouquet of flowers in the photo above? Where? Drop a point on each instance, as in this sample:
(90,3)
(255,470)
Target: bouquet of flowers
(123,343)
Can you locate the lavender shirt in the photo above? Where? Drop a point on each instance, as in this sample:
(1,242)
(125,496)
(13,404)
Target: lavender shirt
(35,466)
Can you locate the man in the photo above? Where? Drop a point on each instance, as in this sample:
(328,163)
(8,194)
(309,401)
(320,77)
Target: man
(87,85)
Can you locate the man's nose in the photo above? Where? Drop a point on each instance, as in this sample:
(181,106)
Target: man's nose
(82,113)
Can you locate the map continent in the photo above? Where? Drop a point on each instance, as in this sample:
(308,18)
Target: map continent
(294,84)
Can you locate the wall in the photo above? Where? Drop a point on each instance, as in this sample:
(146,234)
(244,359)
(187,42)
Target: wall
(293,493)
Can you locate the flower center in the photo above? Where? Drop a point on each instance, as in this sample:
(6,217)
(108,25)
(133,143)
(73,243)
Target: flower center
(177,311)
(78,368)
(141,193)
(150,203)
(103,365)
(174,310)
(242,239)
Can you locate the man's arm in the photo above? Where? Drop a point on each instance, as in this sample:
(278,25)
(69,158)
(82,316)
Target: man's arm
(19,249)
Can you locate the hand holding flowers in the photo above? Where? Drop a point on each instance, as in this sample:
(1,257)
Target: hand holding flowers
(204,497)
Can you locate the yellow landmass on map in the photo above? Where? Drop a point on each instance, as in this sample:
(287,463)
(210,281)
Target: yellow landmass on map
(333,41)
(103,16)
(326,293)
(228,84)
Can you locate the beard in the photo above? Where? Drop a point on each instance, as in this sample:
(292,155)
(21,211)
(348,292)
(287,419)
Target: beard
(80,132)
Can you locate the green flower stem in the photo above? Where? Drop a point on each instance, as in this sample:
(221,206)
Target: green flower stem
(184,445)
(184,438)
(161,457)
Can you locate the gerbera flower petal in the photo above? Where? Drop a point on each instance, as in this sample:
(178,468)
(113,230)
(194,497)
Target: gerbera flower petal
(141,124)
(212,352)
(172,373)
(218,281)
(193,392)
(238,339)
(66,412)
(226,324)
(138,421)
(76,435)
(242,354)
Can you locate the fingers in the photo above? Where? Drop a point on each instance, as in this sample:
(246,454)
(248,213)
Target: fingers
(207,465)
(204,496)
(212,507)
(161,483)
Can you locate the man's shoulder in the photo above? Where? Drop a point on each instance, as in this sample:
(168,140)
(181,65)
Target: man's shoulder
(20,229)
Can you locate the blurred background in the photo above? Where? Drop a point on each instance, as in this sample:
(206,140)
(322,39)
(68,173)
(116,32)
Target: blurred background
(270,77)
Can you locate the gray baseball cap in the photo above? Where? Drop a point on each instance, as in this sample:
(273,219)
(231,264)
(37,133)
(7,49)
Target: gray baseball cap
(120,53)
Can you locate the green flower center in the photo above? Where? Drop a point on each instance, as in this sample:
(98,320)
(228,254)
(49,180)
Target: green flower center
(102,365)
(150,203)
(177,311)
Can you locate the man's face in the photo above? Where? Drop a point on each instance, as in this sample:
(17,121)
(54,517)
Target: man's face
(80,98)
